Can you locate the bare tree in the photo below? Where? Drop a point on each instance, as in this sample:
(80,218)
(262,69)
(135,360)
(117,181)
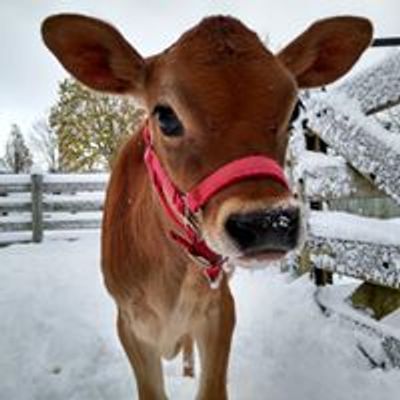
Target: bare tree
(45,142)
(3,165)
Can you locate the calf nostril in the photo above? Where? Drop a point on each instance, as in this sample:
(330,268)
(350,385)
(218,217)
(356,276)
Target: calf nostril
(272,229)
(241,230)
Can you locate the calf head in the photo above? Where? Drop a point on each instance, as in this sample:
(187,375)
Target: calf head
(214,96)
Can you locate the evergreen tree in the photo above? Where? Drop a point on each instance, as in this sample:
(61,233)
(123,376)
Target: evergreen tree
(18,158)
(90,126)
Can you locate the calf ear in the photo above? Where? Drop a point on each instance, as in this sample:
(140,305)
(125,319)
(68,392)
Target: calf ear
(326,50)
(95,53)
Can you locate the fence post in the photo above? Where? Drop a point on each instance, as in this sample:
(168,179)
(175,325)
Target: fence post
(37,207)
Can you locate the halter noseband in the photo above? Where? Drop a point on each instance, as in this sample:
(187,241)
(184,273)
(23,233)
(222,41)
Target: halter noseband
(182,207)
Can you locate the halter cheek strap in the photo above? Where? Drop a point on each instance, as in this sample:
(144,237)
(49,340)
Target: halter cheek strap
(181,207)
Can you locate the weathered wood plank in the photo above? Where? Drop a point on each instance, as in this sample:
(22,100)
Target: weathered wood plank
(17,225)
(325,177)
(371,262)
(14,187)
(382,207)
(7,238)
(73,187)
(70,183)
(365,248)
(377,87)
(379,299)
(54,183)
(363,143)
(94,223)
(73,205)
(9,204)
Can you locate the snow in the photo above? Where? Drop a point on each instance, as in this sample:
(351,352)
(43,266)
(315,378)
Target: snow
(350,227)
(80,216)
(73,178)
(55,178)
(376,85)
(67,198)
(312,162)
(15,179)
(14,199)
(17,236)
(16,218)
(324,176)
(392,320)
(58,339)
(333,295)
(56,216)
(37,169)
(368,147)
(350,108)
(338,116)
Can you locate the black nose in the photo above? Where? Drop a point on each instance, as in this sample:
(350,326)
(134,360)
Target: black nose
(272,230)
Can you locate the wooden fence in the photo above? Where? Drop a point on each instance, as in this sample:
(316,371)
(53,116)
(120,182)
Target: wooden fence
(33,204)
(343,159)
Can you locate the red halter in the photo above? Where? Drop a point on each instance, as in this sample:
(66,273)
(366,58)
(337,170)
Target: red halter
(182,207)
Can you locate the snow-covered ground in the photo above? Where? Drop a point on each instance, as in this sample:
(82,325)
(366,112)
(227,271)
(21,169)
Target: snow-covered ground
(57,337)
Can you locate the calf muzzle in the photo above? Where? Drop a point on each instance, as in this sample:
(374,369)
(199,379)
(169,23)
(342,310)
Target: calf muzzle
(274,230)
(182,207)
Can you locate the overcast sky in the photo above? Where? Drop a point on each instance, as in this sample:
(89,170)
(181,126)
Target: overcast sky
(29,74)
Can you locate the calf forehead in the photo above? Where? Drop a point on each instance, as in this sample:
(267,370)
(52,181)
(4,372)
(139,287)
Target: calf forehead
(217,40)
(242,89)
(220,67)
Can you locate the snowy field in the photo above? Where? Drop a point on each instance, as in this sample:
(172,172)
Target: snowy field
(57,337)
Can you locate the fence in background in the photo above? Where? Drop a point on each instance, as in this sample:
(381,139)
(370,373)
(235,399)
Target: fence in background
(342,157)
(33,204)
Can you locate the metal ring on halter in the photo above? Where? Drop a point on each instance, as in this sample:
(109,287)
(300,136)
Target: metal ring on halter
(192,219)
(199,259)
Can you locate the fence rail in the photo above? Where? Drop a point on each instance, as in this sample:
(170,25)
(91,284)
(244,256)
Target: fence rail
(37,203)
(351,164)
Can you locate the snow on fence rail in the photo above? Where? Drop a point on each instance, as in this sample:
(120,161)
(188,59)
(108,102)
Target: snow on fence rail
(327,177)
(364,248)
(360,161)
(377,87)
(368,147)
(32,204)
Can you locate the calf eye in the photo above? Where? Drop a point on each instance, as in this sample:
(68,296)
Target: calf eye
(168,121)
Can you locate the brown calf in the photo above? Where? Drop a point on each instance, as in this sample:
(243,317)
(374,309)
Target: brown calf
(215,96)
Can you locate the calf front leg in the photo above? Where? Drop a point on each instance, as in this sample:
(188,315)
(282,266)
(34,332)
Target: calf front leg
(214,336)
(145,361)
